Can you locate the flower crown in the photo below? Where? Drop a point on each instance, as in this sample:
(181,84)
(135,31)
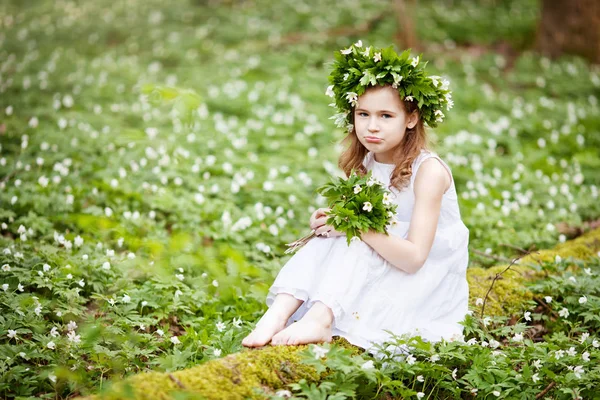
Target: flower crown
(356,68)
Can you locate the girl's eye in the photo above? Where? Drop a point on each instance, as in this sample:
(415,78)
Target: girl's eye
(385,116)
(362,114)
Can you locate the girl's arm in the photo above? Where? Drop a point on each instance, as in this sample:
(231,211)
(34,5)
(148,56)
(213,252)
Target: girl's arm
(409,255)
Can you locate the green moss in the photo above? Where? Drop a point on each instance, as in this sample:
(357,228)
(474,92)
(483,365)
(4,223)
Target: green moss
(249,374)
(253,374)
(509,293)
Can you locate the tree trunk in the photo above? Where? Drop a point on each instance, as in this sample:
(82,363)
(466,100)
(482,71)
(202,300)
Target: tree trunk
(406,36)
(571,27)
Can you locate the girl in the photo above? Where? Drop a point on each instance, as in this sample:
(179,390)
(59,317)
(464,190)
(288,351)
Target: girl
(412,281)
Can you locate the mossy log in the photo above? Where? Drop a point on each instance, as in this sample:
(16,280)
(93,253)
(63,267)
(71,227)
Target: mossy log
(254,374)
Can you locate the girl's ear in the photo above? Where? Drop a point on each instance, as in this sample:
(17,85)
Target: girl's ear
(413,118)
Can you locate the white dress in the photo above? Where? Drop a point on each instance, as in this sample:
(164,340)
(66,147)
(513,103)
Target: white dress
(367,294)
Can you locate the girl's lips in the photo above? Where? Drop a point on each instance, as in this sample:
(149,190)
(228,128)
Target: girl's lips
(372,139)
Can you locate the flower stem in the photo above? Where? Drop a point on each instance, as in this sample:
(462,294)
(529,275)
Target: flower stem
(300,242)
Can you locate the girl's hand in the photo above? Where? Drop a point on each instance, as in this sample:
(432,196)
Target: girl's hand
(318,223)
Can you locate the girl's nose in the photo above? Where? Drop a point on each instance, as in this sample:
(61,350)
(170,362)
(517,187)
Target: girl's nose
(373,126)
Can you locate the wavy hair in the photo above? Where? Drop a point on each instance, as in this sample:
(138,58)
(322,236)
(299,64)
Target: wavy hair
(415,139)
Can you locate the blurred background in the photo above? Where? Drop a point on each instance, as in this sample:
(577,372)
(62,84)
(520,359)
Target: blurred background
(157,156)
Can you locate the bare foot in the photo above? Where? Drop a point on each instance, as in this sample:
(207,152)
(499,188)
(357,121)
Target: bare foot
(269,325)
(305,331)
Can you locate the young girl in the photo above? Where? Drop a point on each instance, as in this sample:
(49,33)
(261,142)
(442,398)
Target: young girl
(412,281)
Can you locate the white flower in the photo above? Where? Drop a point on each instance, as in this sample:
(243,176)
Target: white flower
(558,354)
(420,395)
(359,43)
(496,393)
(585,356)
(6,268)
(563,312)
(420,378)
(215,283)
(5,286)
(106,265)
(479,301)
(410,359)
(518,337)
(367,206)
(537,364)
(434,358)
(111,301)
(221,326)
(494,344)
(237,322)
(548,299)
(346,51)
(54,332)
(454,373)
(352,98)
(584,337)
(126,298)
(409,98)
(51,345)
(175,340)
(368,365)
(20,288)
(46,267)
(357,189)
(52,377)
(160,332)
(217,352)
(535,377)
(73,337)
(320,352)
(572,352)
(439,115)
(283,393)
(71,326)
(377,57)
(582,300)
(527,316)
(180,276)
(578,370)
(329,92)
(12,334)
(387,199)
(78,241)
(414,61)
(595,343)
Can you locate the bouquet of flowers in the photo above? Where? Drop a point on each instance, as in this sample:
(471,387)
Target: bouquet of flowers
(357,204)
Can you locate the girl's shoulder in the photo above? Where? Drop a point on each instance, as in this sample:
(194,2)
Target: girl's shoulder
(425,155)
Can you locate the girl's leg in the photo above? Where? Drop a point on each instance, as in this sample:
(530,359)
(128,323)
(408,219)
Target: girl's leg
(314,327)
(273,320)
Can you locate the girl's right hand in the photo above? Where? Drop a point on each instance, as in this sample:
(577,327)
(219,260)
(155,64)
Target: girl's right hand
(318,223)
(318,218)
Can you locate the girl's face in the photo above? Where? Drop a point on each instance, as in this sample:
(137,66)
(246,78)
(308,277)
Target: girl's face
(380,121)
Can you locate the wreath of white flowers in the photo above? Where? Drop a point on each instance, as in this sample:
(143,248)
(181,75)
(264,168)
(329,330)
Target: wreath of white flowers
(357,67)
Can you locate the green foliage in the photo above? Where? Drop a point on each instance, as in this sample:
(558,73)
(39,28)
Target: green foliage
(358,204)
